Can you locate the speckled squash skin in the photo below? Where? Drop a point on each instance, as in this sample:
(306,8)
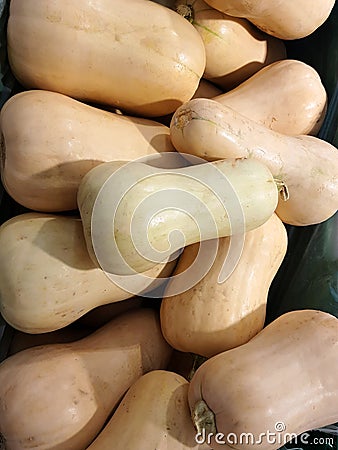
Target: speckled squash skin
(47,278)
(274,383)
(307,165)
(296,103)
(59,396)
(212,317)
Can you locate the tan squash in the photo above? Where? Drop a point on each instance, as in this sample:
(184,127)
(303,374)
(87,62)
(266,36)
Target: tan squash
(154,414)
(285,19)
(58,397)
(307,165)
(129,211)
(22,341)
(205,90)
(47,279)
(50,141)
(296,103)
(138,56)
(82,327)
(100,315)
(235,49)
(283,381)
(215,316)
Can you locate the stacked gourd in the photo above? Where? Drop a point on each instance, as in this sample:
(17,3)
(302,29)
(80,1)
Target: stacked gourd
(100,80)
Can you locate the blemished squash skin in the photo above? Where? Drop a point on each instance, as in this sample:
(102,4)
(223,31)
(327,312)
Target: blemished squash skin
(154,414)
(307,165)
(286,374)
(213,317)
(47,278)
(50,141)
(296,103)
(205,90)
(59,396)
(285,19)
(235,49)
(82,327)
(138,56)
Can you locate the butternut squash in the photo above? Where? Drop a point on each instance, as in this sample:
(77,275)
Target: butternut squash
(154,414)
(283,381)
(235,49)
(138,56)
(205,90)
(129,211)
(47,279)
(22,341)
(307,165)
(50,141)
(58,396)
(100,315)
(285,19)
(296,103)
(214,316)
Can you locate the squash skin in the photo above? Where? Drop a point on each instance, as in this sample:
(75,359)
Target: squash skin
(47,279)
(65,392)
(22,341)
(296,347)
(138,56)
(252,188)
(99,316)
(207,90)
(235,49)
(307,165)
(296,103)
(213,317)
(87,324)
(42,165)
(163,420)
(285,19)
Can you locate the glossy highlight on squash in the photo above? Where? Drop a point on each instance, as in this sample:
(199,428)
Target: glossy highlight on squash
(135,55)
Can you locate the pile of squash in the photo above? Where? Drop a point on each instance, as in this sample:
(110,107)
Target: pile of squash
(128,112)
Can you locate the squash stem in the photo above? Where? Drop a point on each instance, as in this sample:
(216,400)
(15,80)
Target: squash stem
(185,10)
(282,189)
(203,418)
